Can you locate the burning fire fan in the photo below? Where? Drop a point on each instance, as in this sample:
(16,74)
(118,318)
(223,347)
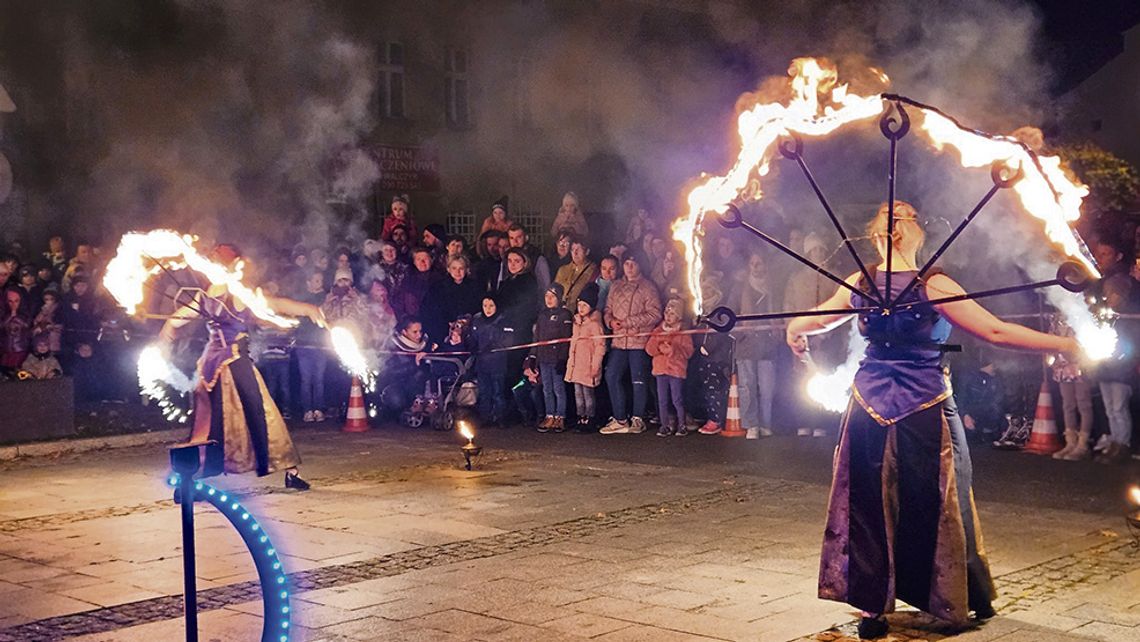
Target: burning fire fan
(901,522)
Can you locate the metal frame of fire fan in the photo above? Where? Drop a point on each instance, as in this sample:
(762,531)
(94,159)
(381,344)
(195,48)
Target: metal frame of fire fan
(894,125)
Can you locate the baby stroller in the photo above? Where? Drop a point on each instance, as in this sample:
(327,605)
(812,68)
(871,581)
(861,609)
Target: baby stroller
(448,392)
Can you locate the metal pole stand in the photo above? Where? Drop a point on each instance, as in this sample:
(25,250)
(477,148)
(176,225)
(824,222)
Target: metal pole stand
(184,461)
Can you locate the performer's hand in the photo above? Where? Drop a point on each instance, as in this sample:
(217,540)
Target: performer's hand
(798,343)
(1073,349)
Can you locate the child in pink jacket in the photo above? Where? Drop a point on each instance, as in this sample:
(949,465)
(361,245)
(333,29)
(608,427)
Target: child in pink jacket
(670,350)
(587,349)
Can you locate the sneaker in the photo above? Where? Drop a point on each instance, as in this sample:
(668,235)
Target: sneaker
(1102,444)
(752,433)
(819,432)
(803,432)
(664,431)
(583,426)
(615,427)
(318,416)
(710,428)
(308,418)
(766,432)
(546,424)
(559,424)
(682,431)
(637,425)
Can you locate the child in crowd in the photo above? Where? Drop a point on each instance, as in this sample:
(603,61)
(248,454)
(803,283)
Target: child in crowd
(709,369)
(555,323)
(499,219)
(400,216)
(587,351)
(527,392)
(489,331)
(41,363)
(49,321)
(670,350)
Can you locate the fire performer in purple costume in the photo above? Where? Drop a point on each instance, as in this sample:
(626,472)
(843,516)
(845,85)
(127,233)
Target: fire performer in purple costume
(231,403)
(901,519)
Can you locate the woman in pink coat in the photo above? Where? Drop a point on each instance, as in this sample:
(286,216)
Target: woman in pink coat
(587,349)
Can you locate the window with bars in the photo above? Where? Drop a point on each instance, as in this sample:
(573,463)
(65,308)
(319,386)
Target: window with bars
(463,223)
(457,88)
(390,88)
(533,221)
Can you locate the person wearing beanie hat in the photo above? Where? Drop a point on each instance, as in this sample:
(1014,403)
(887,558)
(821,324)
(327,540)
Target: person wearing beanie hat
(671,350)
(633,310)
(40,363)
(555,325)
(570,217)
(400,215)
(585,356)
(31,289)
(499,219)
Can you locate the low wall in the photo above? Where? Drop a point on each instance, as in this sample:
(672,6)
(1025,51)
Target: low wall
(36,410)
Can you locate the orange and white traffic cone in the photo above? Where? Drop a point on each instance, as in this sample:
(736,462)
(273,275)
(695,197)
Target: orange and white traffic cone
(732,416)
(355,419)
(1045,439)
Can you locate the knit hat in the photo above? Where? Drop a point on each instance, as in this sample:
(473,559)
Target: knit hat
(813,242)
(501,204)
(636,257)
(343,273)
(557,289)
(371,248)
(438,231)
(589,295)
(401,198)
(27,269)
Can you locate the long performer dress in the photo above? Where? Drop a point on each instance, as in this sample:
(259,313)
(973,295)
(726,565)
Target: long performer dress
(231,403)
(901,519)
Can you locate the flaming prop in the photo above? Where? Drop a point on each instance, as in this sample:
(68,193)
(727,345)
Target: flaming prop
(816,105)
(141,255)
(155,374)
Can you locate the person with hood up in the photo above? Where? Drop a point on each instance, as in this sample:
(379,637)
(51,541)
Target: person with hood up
(586,354)
(490,332)
(554,324)
(671,349)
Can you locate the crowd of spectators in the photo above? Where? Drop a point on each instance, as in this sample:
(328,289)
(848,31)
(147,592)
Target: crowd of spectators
(595,334)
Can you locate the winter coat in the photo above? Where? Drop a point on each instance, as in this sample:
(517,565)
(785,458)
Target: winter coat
(390,223)
(638,306)
(573,279)
(394,275)
(518,301)
(572,220)
(348,308)
(755,344)
(409,299)
(309,334)
(446,302)
(553,323)
(490,334)
(47,322)
(584,362)
(400,364)
(41,367)
(486,273)
(676,362)
(15,340)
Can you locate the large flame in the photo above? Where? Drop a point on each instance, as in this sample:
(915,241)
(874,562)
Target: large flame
(137,260)
(817,105)
(833,390)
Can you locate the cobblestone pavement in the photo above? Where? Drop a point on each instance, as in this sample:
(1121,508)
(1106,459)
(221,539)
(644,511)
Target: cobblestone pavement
(396,542)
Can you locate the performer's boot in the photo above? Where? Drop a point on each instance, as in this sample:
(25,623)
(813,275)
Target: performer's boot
(293,480)
(1070,445)
(1081,450)
(871,627)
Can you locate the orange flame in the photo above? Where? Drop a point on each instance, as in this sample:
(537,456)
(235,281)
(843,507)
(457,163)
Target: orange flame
(137,260)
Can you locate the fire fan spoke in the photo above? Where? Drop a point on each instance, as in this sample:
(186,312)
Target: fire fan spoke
(999,173)
(792,148)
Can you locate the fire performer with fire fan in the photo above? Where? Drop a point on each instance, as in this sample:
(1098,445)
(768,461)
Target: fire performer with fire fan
(232,406)
(901,521)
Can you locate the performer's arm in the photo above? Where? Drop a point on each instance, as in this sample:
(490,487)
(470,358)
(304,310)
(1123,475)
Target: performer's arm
(293,308)
(183,315)
(800,328)
(978,321)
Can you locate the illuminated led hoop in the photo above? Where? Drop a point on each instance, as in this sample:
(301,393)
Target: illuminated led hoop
(270,572)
